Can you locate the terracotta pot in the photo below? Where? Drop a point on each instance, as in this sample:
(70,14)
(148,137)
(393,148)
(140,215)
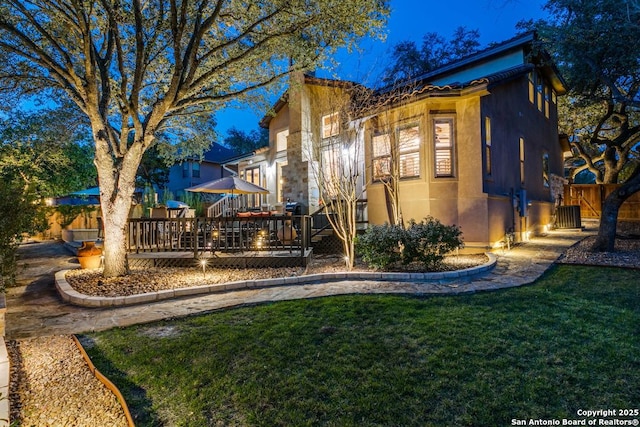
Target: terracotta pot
(89,255)
(286,233)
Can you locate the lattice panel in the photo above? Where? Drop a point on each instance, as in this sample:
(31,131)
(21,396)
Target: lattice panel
(329,245)
(281,260)
(161,262)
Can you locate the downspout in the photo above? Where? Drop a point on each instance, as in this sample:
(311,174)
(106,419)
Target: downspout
(231,171)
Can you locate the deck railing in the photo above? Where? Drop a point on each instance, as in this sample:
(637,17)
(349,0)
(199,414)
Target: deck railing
(255,232)
(226,205)
(320,222)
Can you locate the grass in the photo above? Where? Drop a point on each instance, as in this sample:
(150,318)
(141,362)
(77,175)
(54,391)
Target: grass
(568,342)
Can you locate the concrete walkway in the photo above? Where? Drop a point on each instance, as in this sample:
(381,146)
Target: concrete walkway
(35,308)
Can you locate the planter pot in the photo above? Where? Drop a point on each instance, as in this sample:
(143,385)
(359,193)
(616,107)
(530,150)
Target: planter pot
(286,233)
(89,255)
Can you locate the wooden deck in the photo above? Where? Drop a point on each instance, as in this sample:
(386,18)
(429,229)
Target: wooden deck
(240,259)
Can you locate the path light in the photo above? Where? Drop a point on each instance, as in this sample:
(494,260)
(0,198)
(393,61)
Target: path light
(203,263)
(260,239)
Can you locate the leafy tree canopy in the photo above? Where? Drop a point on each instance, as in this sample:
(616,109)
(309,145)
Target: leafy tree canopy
(46,152)
(42,154)
(245,142)
(409,61)
(595,43)
(139,70)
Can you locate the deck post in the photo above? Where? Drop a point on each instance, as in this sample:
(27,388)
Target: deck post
(305,225)
(194,238)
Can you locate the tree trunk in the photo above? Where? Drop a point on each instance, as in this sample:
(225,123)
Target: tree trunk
(115,218)
(116,177)
(605,242)
(606,239)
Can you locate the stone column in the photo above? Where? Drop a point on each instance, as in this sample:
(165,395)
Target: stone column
(299,182)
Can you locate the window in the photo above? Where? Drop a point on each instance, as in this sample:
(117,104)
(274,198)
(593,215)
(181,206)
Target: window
(330,125)
(487,146)
(547,89)
(280,181)
(195,170)
(185,169)
(532,85)
(521,160)
(281,140)
(381,153)
(332,163)
(253,176)
(539,90)
(443,147)
(545,170)
(409,151)
(540,93)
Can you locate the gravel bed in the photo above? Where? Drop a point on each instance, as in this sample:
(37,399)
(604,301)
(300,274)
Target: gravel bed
(51,385)
(91,282)
(627,254)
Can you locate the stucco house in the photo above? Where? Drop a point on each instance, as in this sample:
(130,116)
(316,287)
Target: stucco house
(474,143)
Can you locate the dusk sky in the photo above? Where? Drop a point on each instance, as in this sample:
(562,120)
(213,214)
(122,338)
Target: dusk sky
(410,20)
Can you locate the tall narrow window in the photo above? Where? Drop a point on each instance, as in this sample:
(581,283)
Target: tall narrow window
(547,97)
(185,169)
(253,175)
(532,86)
(487,146)
(281,140)
(195,170)
(539,90)
(381,154)
(521,160)
(330,125)
(280,181)
(409,151)
(332,163)
(443,147)
(545,170)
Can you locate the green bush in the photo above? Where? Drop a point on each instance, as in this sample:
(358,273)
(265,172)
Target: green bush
(380,245)
(20,214)
(427,242)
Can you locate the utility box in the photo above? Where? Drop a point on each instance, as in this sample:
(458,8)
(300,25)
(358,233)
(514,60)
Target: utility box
(568,217)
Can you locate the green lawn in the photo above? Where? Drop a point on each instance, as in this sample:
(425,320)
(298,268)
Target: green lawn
(569,342)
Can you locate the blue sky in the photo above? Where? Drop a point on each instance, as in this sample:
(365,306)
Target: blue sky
(410,20)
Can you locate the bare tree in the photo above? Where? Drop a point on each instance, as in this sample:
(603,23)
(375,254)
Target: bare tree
(348,116)
(338,148)
(138,69)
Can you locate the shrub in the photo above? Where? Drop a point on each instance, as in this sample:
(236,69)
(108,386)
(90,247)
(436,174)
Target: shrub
(429,241)
(380,245)
(20,214)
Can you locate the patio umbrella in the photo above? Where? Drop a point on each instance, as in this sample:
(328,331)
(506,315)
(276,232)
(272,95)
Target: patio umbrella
(228,184)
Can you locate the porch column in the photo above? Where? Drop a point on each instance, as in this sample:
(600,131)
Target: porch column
(299,182)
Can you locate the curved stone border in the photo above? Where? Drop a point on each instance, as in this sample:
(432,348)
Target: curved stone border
(104,380)
(72,296)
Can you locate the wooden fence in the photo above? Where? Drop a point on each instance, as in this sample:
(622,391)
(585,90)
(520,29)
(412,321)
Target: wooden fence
(590,198)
